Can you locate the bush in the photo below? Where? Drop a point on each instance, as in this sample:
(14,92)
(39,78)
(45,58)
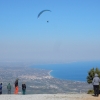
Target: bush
(90,92)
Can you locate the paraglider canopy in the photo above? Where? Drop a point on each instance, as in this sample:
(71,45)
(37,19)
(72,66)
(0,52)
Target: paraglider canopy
(42,12)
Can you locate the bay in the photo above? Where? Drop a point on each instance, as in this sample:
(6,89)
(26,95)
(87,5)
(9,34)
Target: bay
(76,71)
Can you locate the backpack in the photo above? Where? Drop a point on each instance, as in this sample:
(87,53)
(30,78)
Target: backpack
(23,86)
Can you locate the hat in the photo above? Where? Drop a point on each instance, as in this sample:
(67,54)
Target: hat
(96,74)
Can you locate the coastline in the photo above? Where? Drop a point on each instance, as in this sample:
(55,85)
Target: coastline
(50,74)
(79,74)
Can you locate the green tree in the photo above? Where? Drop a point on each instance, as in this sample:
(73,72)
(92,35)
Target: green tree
(91,74)
(90,77)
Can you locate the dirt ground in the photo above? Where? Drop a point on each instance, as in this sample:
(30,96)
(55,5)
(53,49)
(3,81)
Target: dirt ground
(50,97)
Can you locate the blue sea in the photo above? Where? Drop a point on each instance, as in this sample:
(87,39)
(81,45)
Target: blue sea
(76,71)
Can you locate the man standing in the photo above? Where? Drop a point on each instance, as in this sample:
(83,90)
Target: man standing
(16,86)
(95,82)
(0,88)
(23,88)
(9,88)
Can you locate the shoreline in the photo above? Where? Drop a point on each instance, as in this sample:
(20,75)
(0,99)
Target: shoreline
(63,79)
(50,74)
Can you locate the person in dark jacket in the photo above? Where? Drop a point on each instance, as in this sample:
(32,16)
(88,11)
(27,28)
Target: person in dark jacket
(95,83)
(16,86)
(0,88)
(9,88)
(23,88)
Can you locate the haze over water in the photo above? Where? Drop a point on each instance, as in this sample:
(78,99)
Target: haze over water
(72,34)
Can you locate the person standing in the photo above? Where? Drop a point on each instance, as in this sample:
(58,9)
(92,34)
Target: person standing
(16,86)
(95,82)
(0,88)
(9,88)
(23,88)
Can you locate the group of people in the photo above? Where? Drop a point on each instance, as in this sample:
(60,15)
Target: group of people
(16,88)
(95,82)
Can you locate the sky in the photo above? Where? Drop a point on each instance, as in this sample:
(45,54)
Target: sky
(72,33)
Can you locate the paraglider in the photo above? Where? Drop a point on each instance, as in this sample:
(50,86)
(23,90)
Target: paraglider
(42,12)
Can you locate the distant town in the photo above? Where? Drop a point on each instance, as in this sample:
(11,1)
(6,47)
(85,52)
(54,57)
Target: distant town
(38,81)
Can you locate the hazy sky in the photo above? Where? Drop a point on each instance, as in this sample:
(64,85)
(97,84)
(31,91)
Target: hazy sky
(72,34)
